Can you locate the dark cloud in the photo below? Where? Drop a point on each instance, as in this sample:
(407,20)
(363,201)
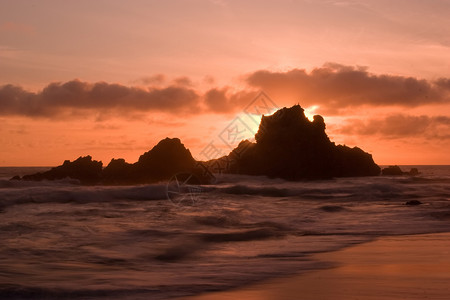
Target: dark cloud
(443,83)
(399,126)
(217,100)
(334,86)
(73,96)
(224,100)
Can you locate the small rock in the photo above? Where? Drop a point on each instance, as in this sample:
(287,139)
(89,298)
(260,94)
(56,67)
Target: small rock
(414,172)
(392,170)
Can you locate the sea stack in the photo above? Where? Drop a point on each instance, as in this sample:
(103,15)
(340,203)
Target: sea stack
(290,146)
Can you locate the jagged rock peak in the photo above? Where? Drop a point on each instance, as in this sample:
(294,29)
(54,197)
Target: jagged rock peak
(165,147)
(290,123)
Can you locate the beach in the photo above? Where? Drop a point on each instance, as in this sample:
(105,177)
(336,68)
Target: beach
(395,267)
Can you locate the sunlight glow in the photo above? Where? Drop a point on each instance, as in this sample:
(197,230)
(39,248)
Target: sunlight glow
(251,123)
(311,111)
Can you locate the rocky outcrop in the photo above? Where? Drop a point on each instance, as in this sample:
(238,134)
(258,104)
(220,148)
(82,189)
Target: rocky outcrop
(84,169)
(290,146)
(167,158)
(118,171)
(395,171)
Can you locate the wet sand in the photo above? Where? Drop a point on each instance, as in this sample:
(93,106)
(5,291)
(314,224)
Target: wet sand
(401,267)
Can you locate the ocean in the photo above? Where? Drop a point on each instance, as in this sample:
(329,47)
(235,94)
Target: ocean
(61,240)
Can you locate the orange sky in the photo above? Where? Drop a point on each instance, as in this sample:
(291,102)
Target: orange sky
(112,78)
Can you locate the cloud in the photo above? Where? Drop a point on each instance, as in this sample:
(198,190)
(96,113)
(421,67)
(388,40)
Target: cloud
(224,100)
(78,99)
(75,96)
(400,126)
(443,83)
(334,87)
(217,100)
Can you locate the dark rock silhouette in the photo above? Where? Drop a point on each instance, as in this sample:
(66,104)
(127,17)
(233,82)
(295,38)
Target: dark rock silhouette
(395,171)
(84,169)
(167,158)
(392,170)
(290,146)
(118,171)
(414,172)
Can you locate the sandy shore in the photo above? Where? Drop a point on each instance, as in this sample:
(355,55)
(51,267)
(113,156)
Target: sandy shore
(403,267)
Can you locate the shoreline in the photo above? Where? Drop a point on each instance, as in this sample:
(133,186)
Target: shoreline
(393,267)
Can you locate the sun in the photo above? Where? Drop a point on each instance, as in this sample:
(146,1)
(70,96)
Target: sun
(310,112)
(250,125)
(252,122)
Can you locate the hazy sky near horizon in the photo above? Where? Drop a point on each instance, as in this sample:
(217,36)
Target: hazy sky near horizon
(111,78)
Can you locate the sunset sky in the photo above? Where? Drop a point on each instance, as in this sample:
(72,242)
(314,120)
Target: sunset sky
(111,78)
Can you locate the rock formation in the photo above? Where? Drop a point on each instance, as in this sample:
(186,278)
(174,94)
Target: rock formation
(395,170)
(84,169)
(167,158)
(290,146)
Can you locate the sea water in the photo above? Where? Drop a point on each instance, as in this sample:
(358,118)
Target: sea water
(63,240)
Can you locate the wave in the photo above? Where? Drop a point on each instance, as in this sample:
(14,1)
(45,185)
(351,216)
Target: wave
(402,188)
(355,189)
(17,184)
(188,246)
(62,192)
(254,227)
(369,189)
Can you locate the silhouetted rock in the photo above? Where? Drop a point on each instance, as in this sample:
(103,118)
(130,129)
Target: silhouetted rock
(168,158)
(290,146)
(395,171)
(414,172)
(392,170)
(84,169)
(164,160)
(117,172)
